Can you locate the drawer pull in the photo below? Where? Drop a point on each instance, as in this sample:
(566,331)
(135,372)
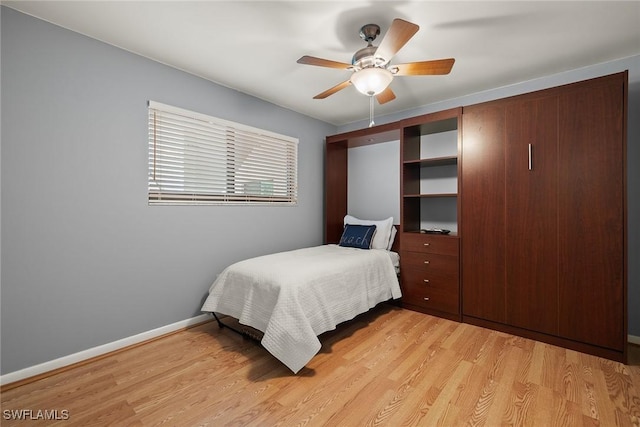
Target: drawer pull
(426,280)
(426,244)
(426,298)
(426,262)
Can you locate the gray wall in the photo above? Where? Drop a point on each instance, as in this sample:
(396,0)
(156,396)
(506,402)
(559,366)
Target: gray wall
(373,187)
(633,149)
(85,260)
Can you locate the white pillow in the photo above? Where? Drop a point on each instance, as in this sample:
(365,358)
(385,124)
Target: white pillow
(383,230)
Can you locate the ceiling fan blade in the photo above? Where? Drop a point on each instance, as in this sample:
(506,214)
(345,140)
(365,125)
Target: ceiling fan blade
(398,35)
(333,90)
(385,96)
(312,60)
(425,68)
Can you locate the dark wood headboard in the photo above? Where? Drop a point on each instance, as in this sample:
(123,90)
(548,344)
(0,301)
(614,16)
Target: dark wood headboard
(396,243)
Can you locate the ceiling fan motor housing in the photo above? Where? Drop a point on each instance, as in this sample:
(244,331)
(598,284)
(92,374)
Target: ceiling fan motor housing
(365,57)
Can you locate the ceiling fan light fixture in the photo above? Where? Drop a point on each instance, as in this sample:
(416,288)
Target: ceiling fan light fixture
(371,81)
(371,67)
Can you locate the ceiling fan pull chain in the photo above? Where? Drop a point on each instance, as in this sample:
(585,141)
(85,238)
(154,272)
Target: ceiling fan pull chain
(371,123)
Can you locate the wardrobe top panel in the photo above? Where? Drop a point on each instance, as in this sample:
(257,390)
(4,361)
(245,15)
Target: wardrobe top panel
(368,136)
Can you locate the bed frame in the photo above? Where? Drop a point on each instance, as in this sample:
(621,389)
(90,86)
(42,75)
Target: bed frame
(249,332)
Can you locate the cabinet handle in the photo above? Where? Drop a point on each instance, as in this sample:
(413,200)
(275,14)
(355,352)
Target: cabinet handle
(426,244)
(426,280)
(426,298)
(530,157)
(426,262)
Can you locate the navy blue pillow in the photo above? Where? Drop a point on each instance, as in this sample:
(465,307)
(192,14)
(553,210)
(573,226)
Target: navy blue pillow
(357,236)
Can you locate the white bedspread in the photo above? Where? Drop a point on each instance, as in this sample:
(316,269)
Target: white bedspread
(292,297)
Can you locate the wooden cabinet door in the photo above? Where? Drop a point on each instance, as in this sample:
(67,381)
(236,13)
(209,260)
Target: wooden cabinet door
(335,203)
(591,213)
(482,236)
(531,214)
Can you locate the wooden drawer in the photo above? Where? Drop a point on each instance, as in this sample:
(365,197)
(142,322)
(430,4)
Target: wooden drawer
(432,243)
(432,263)
(430,279)
(430,297)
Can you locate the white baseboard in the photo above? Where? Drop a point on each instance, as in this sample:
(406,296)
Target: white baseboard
(633,339)
(99,351)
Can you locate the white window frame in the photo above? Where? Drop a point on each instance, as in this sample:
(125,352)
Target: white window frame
(196,159)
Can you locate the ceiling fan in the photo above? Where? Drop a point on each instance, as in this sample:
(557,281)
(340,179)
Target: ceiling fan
(371,66)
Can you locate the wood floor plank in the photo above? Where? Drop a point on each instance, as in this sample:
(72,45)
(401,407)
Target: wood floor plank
(318,408)
(435,372)
(408,360)
(388,367)
(442,411)
(536,366)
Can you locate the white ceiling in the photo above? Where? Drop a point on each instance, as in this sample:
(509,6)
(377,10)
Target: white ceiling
(253,46)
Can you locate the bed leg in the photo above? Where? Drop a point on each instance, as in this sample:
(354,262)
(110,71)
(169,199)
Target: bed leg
(220,324)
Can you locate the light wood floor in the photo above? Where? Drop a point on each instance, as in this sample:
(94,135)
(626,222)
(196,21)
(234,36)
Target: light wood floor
(389,367)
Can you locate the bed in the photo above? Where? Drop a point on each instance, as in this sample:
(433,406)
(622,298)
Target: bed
(292,297)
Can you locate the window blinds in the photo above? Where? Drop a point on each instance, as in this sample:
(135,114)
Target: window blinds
(198,159)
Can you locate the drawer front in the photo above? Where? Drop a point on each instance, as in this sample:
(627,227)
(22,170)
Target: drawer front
(412,278)
(432,243)
(428,262)
(430,297)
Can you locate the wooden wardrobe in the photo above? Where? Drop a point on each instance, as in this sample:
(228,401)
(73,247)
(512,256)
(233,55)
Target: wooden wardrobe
(543,215)
(540,210)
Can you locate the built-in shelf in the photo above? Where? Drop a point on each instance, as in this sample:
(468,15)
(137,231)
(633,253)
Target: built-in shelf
(436,161)
(430,195)
(429,264)
(430,148)
(452,234)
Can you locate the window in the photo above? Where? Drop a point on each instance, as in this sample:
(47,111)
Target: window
(197,159)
